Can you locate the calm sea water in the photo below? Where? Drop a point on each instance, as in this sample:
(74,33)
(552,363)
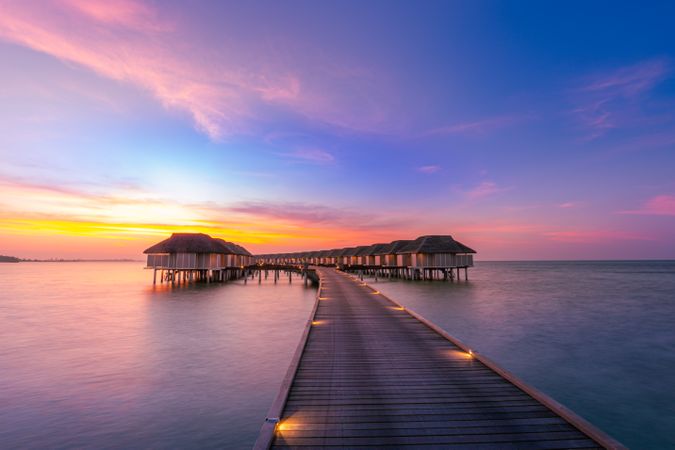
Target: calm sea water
(91,356)
(599,337)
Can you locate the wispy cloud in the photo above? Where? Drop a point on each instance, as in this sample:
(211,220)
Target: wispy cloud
(428,169)
(314,215)
(484,189)
(661,205)
(610,100)
(138,43)
(310,155)
(479,127)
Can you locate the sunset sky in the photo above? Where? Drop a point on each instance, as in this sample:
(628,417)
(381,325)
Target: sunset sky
(527,130)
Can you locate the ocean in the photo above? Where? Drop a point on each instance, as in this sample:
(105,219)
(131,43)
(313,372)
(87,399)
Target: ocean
(93,356)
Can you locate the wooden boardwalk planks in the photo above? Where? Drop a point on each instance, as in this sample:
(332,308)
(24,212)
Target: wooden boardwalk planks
(370,374)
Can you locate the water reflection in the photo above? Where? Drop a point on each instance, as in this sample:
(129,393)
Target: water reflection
(104,359)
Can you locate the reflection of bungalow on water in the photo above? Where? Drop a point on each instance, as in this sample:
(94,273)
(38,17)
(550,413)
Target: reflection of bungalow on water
(197,256)
(427,257)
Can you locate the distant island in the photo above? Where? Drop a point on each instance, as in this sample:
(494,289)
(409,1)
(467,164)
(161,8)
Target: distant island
(14,259)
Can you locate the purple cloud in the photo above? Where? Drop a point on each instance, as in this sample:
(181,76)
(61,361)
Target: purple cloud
(660,205)
(483,190)
(317,215)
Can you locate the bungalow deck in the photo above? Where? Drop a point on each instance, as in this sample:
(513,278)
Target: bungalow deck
(369,373)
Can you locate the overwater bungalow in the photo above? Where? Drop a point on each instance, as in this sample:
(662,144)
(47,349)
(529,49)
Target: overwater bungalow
(389,254)
(429,255)
(352,255)
(342,257)
(372,257)
(196,256)
(311,257)
(361,256)
(331,257)
(438,251)
(321,257)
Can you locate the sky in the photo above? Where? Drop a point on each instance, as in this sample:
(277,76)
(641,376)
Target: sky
(526,130)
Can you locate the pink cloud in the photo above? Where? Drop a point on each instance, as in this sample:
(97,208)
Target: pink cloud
(483,190)
(661,205)
(128,13)
(428,169)
(137,43)
(567,205)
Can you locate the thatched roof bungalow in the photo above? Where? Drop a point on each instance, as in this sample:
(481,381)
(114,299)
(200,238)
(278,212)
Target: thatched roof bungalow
(372,254)
(196,251)
(351,255)
(343,257)
(437,251)
(361,256)
(390,254)
(331,256)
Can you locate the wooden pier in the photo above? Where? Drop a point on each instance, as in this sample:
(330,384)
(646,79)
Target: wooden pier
(369,373)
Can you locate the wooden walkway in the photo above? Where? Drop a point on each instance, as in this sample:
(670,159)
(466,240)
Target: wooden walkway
(370,374)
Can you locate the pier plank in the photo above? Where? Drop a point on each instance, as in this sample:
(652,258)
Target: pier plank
(371,374)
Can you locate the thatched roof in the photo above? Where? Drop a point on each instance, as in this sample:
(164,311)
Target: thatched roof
(353,250)
(435,244)
(362,250)
(393,247)
(196,243)
(423,244)
(343,252)
(235,249)
(373,249)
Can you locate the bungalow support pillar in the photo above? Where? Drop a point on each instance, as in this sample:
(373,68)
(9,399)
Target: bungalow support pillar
(154,276)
